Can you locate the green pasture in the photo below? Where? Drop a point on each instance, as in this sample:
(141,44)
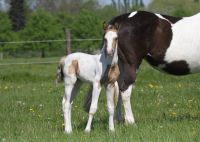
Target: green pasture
(166,108)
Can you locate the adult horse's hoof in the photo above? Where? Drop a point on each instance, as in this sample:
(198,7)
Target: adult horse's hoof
(129,121)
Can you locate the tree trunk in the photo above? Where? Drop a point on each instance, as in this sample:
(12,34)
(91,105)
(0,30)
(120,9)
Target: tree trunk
(1,55)
(43,53)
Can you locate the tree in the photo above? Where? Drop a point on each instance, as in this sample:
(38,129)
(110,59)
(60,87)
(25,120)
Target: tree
(126,5)
(86,25)
(69,6)
(42,26)
(6,34)
(17,14)
(174,7)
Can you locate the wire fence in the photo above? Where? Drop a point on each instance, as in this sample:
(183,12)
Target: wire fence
(21,52)
(28,63)
(50,41)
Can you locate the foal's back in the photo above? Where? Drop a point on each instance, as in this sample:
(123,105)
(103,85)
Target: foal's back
(85,64)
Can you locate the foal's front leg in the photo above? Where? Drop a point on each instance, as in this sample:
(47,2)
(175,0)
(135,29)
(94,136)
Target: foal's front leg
(110,94)
(93,108)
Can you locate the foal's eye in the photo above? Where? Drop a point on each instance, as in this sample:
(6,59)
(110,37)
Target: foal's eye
(116,39)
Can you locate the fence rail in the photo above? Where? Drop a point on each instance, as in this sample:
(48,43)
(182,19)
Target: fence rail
(28,63)
(50,41)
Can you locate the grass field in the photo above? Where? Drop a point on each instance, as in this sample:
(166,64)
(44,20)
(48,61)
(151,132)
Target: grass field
(166,108)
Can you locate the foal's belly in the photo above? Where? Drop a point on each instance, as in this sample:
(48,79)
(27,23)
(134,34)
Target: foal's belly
(183,54)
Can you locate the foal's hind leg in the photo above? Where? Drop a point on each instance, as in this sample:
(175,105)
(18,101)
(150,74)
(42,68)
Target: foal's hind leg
(93,108)
(69,84)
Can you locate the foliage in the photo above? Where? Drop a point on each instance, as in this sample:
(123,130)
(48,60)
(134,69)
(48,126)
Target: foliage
(86,25)
(175,7)
(6,33)
(42,26)
(123,6)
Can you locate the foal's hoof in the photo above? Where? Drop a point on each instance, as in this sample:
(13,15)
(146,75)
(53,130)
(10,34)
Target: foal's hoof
(112,130)
(87,131)
(68,132)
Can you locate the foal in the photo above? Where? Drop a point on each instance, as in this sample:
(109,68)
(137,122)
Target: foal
(95,69)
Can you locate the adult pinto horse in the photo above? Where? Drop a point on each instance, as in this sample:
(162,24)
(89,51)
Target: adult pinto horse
(169,44)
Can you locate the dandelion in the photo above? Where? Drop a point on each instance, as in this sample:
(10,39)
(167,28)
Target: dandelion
(179,85)
(189,101)
(193,131)
(31,110)
(6,87)
(41,105)
(173,114)
(150,85)
(4,140)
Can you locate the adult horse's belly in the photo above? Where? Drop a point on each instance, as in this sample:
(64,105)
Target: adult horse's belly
(185,45)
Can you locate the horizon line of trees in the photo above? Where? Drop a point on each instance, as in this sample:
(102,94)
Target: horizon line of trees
(48,18)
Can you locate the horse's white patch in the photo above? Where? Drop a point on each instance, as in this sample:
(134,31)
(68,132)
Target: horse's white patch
(185,44)
(132,14)
(110,36)
(161,17)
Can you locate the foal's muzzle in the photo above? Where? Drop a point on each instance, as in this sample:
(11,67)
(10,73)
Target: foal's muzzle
(110,52)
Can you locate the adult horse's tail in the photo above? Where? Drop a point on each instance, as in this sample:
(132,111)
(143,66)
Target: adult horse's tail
(60,73)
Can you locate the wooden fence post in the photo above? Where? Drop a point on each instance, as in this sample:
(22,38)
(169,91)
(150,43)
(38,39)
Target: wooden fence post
(68,40)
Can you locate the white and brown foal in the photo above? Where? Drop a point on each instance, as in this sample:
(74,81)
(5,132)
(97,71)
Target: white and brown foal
(98,70)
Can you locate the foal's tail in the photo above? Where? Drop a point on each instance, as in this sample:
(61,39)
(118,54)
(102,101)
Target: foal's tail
(60,73)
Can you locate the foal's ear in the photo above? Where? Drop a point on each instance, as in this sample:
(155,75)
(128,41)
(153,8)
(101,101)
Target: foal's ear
(116,26)
(105,26)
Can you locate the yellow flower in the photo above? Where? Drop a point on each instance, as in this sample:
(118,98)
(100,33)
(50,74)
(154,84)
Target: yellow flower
(189,101)
(31,110)
(150,85)
(63,125)
(179,85)
(6,87)
(173,114)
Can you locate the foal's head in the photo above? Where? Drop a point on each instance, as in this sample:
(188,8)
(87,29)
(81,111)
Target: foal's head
(110,40)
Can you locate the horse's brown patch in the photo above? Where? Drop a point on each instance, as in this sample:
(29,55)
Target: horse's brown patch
(113,74)
(74,67)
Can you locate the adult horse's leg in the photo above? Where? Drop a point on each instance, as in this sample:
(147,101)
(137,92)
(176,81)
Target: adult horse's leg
(93,108)
(126,95)
(127,78)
